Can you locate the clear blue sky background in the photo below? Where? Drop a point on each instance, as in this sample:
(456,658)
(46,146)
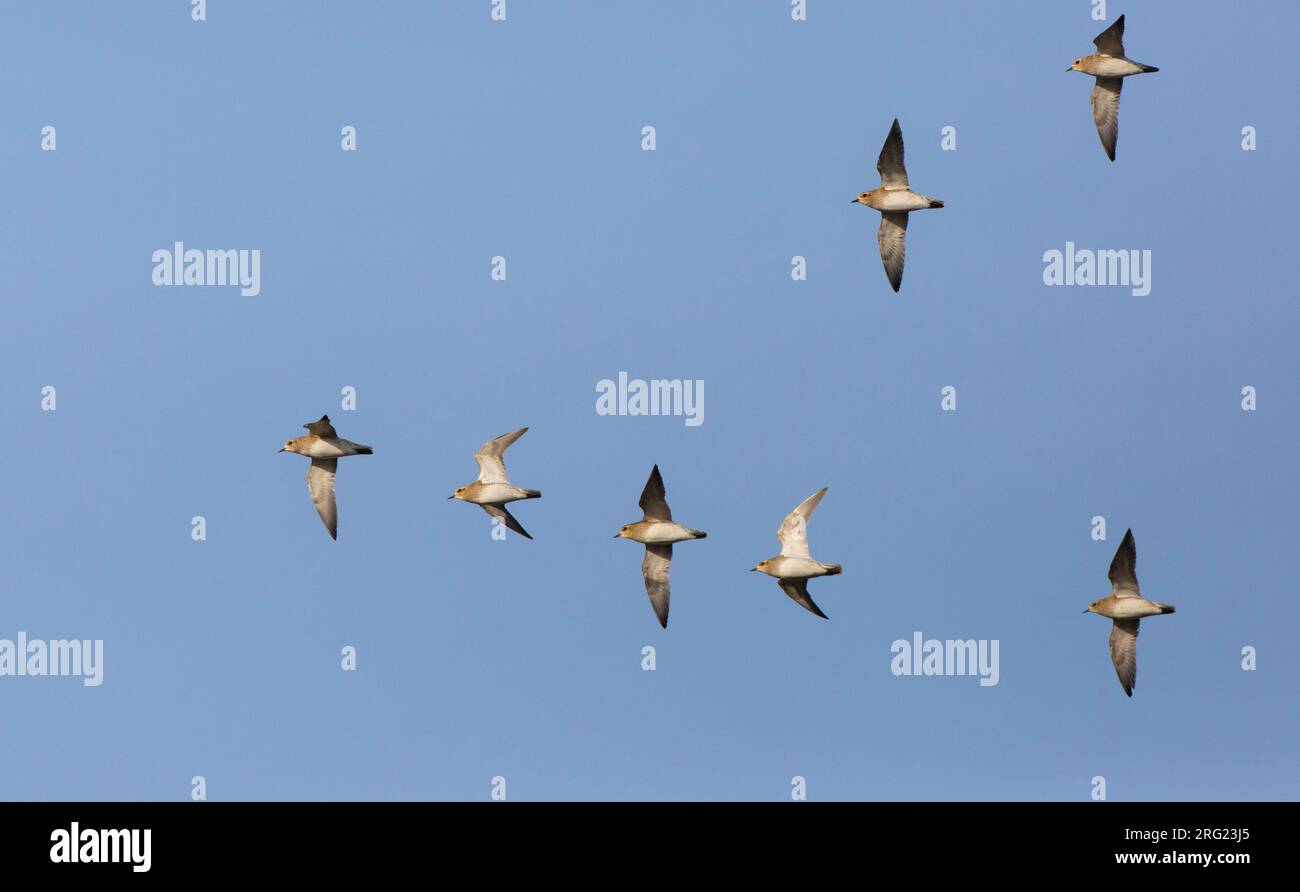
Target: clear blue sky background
(480,658)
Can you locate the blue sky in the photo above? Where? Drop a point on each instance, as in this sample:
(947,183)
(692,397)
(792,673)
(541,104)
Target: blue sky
(522,659)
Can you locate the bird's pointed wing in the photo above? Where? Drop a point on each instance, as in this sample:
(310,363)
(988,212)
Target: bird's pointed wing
(504,514)
(1123,569)
(893,229)
(321,428)
(491,457)
(893,175)
(658,558)
(320,483)
(653,503)
(797,589)
(793,531)
(1105,112)
(1111,41)
(1123,652)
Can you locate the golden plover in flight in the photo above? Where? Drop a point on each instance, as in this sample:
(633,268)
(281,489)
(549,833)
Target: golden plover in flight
(657,532)
(1126,606)
(794,566)
(894,199)
(1110,66)
(324,447)
(492,491)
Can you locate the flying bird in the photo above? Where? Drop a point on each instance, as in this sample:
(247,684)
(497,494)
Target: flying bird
(492,491)
(894,199)
(1110,66)
(794,566)
(1126,606)
(657,532)
(324,447)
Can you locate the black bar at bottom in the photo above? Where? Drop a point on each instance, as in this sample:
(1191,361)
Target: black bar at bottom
(535,840)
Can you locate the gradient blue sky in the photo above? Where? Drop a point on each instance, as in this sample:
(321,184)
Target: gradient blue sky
(480,658)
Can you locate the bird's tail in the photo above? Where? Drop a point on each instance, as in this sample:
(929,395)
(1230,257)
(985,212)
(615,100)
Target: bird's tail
(1166,608)
(363,450)
(834,569)
(936,203)
(1147,69)
(699,534)
(532,493)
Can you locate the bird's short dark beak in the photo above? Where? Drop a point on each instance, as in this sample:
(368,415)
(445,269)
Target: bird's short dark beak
(1068,70)
(853,201)
(753,569)
(452,496)
(1087,610)
(282,449)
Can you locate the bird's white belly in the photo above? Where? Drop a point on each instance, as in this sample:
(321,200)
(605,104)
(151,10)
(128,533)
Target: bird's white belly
(498,494)
(797,568)
(324,449)
(1133,608)
(664,533)
(902,200)
(1110,66)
